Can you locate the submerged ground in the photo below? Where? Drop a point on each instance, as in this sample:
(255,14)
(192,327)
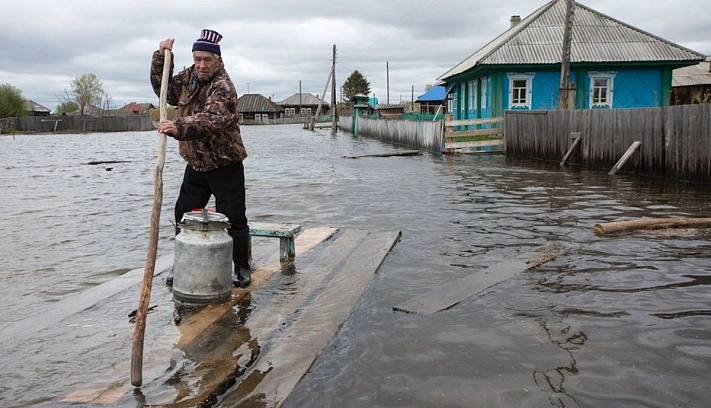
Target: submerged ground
(617,321)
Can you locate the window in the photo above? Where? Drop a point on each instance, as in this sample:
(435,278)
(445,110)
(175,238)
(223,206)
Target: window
(601,89)
(520,91)
(519,88)
(473,90)
(484,86)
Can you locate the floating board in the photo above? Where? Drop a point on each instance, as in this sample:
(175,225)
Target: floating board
(283,321)
(445,297)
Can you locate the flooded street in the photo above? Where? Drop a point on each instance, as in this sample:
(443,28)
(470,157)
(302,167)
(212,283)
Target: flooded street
(616,321)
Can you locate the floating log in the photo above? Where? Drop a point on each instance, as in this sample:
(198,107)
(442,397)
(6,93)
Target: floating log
(651,223)
(391,154)
(94,163)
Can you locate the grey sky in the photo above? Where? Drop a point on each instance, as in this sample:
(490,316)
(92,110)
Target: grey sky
(271,45)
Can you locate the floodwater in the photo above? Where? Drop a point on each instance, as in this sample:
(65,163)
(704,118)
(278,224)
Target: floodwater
(617,321)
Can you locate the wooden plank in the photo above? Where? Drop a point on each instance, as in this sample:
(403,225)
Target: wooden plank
(476,143)
(470,122)
(197,324)
(292,354)
(624,157)
(266,229)
(446,296)
(478,132)
(576,141)
(19,330)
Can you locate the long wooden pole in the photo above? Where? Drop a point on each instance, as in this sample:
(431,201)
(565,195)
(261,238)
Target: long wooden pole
(564,89)
(140,327)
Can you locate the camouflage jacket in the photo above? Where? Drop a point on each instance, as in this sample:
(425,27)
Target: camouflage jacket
(208,130)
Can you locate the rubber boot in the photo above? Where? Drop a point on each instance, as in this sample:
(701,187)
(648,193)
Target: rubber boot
(241,255)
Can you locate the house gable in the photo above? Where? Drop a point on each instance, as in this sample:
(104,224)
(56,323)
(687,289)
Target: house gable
(596,38)
(612,65)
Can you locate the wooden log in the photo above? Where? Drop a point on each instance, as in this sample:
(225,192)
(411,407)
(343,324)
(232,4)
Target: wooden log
(651,223)
(391,154)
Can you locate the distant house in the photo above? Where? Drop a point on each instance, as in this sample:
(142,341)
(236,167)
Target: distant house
(89,110)
(256,108)
(433,101)
(390,110)
(304,104)
(35,109)
(692,84)
(137,108)
(612,65)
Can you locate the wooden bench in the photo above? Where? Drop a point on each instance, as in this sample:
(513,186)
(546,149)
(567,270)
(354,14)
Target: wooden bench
(285,233)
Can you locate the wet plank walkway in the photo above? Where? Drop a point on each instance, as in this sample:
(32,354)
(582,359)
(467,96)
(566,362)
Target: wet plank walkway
(250,351)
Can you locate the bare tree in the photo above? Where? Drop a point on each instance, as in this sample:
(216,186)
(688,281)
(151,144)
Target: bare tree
(85,90)
(107,104)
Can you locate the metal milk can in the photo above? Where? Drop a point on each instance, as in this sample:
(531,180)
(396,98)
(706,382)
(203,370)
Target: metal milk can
(202,266)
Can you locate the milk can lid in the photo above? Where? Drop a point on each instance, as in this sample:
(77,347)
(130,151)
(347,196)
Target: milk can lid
(205,216)
(198,220)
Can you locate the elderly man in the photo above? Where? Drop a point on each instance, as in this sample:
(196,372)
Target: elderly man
(209,140)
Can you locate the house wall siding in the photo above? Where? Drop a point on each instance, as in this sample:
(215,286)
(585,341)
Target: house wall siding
(632,88)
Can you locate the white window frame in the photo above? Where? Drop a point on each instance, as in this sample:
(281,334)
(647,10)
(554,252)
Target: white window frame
(484,87)
(473,91)
(610,88)
(528,78)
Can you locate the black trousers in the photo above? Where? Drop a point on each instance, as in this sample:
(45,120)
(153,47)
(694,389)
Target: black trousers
(226,184)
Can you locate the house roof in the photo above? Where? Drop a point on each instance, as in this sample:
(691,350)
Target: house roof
(137,107)
(305,99)
(596,38)
(435,94)
(32,106)
(699,74)
(257,103)
(383,106)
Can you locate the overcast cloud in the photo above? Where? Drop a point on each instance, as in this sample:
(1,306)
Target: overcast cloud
(271,45)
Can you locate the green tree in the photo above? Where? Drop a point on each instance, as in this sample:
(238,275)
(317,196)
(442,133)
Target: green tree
(12,104)
(67,107)
(85,90)
(356,84)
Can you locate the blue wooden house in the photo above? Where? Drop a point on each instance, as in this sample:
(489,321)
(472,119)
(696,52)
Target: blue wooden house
(612,65)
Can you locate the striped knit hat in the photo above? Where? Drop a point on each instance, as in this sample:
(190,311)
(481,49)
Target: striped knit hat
(208,41)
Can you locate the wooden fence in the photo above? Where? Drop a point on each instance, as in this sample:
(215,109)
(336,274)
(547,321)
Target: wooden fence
(79,124)
(473,135)
(675,141)
(421,135)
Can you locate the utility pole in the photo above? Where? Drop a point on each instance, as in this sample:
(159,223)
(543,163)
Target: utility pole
(412,100)
(299,98)
(334,111)
(564,90)
(387,78)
